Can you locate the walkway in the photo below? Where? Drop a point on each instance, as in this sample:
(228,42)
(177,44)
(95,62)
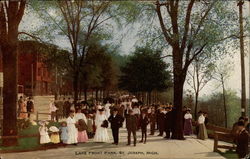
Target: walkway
(156,148)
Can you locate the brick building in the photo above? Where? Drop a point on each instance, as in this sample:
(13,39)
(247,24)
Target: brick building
(32,71)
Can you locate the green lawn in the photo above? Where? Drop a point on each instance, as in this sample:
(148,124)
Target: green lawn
(229,154)
(30,142)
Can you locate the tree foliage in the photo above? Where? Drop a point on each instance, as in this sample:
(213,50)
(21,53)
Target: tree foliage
(145,71)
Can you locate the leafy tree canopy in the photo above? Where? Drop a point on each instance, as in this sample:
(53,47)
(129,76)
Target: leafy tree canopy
(145,71)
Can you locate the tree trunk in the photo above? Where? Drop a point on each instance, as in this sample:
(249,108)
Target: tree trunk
(75,86)
(196,105)
(224,101)
(177,112)
(149,98)
(179,78)
(96,95)
(242,60)
(85,94)
(10,57)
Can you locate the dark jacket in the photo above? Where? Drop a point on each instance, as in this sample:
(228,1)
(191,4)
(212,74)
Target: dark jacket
(152,118)
(131,122)
(161,119)
(144,122)
(168,117)
(30,106)
(116,122)
(242,143)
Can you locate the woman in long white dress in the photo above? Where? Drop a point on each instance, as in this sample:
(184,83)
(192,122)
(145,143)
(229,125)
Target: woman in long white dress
(72,131)
(101,134)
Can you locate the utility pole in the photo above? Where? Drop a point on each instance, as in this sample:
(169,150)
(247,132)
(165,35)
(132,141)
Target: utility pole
(32,80)
(56,90)
(249,61)
(243,78)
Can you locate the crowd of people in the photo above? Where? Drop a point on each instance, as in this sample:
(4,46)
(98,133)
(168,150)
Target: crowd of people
(81,121)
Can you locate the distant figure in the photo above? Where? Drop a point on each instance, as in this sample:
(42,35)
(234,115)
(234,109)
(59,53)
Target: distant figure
(53,110)
(152,119)
(131,126)
(90,124)
(23,110)
(242,140)
(143,125)
(30,106)
(60,110)
(202,128)
(161,121)
(107,109)
(206,118)
(20,100)
(188,123)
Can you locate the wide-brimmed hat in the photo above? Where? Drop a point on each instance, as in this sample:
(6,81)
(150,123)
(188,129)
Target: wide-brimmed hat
(43,122)
(53,129)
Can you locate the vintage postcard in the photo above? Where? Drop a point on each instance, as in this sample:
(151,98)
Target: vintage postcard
(124,79)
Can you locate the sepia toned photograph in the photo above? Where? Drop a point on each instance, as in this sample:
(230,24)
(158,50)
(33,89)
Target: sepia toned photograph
(124,79)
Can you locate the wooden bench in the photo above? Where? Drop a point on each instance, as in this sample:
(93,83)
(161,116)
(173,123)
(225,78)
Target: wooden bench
(221,134)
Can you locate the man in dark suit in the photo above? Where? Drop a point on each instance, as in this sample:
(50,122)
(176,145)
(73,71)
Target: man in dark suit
(116,121)
(152,119)
(143,122)
(168,122)
(161,121)
(242,140)
(131,126)
(30,106)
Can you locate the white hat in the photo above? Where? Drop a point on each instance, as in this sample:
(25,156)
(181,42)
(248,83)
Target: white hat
(42,122)
(53,129)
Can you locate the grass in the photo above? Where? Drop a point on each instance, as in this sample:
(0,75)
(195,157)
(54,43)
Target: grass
(29,142)
(229,154)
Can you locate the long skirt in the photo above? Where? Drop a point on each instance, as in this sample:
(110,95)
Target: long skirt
(55,138)
(101,135)
(82,136)
(188,127)
(202,132)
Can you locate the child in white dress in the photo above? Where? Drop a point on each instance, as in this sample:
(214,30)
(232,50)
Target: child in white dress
(43,130)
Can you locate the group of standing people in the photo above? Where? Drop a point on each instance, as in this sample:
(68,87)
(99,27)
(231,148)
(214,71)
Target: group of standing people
(25,107)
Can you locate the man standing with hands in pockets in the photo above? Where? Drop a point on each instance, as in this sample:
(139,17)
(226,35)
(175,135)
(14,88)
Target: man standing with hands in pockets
(116,121)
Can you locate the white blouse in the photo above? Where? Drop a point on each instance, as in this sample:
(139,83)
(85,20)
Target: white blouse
(201,119)
(188,116)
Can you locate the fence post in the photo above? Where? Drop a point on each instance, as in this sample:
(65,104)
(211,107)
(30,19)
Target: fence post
(37,116)
(215,142)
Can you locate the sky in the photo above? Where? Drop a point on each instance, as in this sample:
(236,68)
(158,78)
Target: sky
(130,38)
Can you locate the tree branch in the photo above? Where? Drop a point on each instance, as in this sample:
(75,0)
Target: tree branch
(187,22)
(163,27)
(32,36)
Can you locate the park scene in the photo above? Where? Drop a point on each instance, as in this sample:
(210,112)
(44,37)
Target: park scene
(95,79)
